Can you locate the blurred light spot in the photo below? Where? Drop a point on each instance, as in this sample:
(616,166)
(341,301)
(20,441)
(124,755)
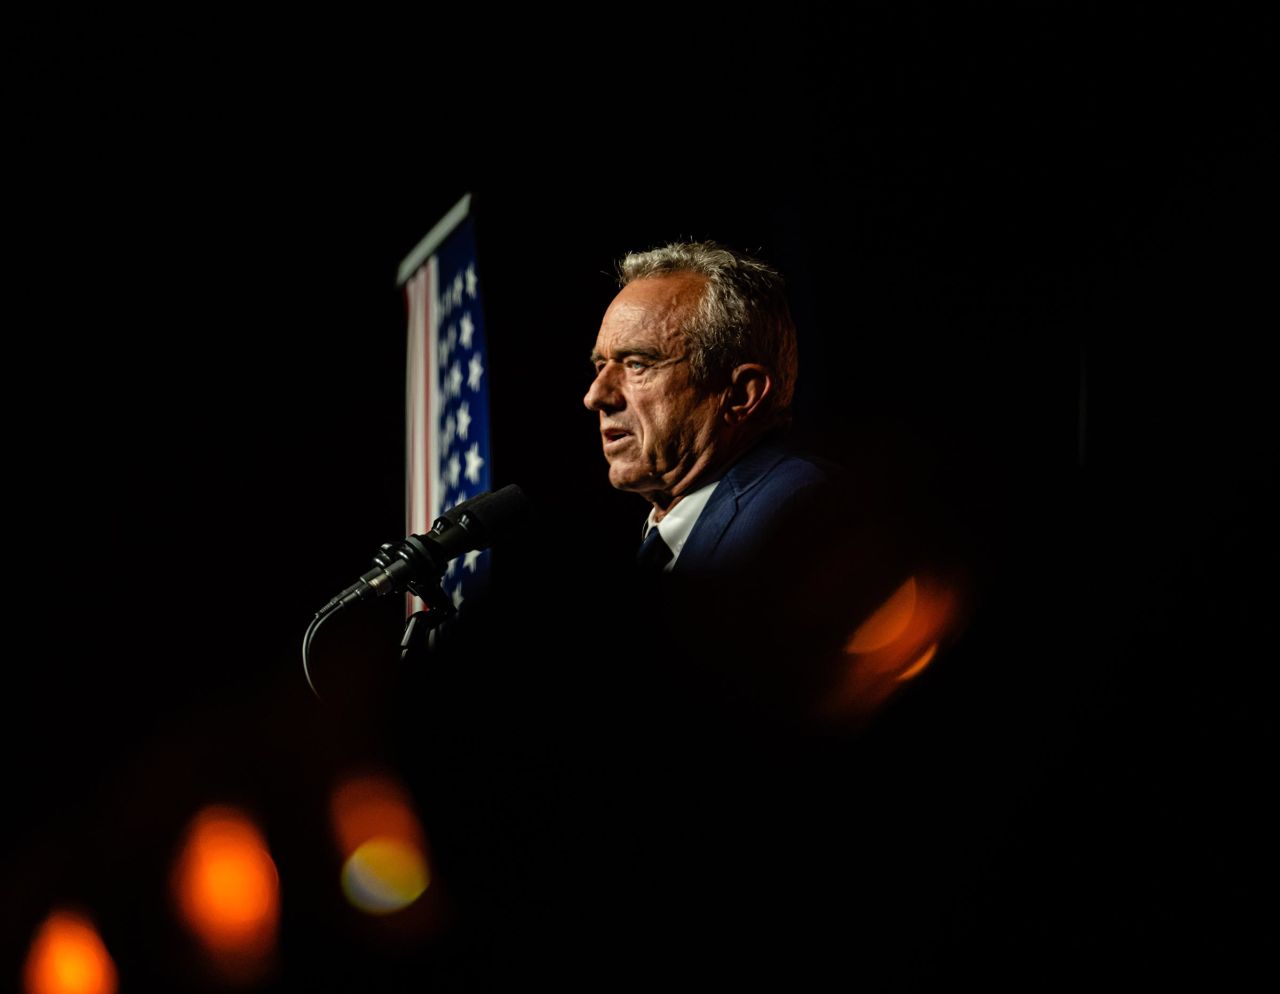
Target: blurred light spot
(887,623)
(371,806)
(384,875)
(894,644)
(68,957)
(382,843)
(919,665)
(227,889)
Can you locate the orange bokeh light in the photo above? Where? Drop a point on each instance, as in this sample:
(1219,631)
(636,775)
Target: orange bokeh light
(916,668)
(226,886)
(68,957)
(373,806)
(887,623)
(894,644)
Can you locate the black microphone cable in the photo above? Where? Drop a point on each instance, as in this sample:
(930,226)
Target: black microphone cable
(417,563)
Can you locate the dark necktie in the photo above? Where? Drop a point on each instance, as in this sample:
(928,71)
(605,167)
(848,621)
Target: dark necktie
(654,553)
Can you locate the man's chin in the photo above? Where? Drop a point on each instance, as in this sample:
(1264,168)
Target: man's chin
(622,481)
(627,479)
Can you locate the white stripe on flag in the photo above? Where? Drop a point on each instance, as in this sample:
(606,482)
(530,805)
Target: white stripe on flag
(422,482)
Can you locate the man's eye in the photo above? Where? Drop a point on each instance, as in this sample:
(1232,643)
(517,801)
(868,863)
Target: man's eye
(634,365)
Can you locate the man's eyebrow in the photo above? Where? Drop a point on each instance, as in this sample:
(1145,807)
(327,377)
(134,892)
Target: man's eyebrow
(640,351)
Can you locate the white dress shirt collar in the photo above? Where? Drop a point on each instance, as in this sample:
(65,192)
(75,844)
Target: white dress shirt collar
(677,524)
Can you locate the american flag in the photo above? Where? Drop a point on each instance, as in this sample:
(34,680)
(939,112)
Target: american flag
(447,401)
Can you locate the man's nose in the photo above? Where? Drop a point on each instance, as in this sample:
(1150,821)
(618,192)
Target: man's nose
(603,394)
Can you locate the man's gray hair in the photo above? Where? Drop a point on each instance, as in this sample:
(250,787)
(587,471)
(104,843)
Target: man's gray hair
(742,316)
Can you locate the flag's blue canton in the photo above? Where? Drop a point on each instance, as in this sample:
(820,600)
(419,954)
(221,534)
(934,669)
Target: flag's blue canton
(463,362)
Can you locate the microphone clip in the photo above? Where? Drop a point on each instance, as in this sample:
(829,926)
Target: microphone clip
(439,609)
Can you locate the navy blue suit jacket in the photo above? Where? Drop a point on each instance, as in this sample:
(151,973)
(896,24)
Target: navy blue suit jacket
(757,494)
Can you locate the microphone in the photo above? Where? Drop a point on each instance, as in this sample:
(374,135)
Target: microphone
(417,563)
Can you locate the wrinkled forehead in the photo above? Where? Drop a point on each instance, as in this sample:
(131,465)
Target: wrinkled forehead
(651,312)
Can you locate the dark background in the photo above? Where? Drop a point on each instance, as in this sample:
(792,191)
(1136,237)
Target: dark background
(1031,258)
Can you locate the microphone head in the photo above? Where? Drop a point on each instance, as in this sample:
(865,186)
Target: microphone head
(487,517)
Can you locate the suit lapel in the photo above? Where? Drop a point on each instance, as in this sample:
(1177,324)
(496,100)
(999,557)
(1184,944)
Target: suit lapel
(699,550)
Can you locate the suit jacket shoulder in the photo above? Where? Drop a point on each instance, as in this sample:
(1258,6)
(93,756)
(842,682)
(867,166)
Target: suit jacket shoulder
(752,501)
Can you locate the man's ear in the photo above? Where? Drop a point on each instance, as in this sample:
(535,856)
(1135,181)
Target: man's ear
(749,385)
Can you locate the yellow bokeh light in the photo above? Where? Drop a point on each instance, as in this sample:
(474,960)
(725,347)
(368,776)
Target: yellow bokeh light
(385,864)
(68,957)
(384,875)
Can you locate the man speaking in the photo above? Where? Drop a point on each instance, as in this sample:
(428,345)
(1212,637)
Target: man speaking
(695,369)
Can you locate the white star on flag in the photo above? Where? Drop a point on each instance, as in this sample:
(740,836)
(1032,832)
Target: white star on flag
(474,462)
(476,371)
(473,557)
(446,439)
(457,596)
(471,280)
(464,419)
(468,329)
(453,382)
(457,289)
(455,467)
